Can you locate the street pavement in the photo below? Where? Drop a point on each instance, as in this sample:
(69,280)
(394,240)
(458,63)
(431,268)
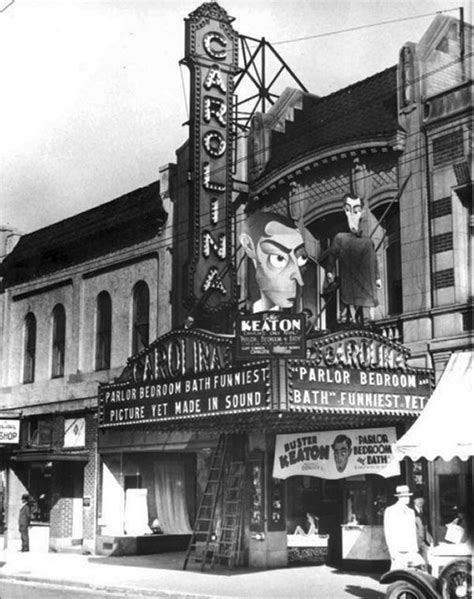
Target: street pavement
(161,576)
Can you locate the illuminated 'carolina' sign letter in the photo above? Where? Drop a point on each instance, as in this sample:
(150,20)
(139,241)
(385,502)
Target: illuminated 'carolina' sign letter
(211,55)
(211,41)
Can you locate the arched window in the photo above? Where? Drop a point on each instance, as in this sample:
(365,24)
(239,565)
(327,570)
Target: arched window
(390,226)
(141,317)
(103,331)
(59,341)
(30,349)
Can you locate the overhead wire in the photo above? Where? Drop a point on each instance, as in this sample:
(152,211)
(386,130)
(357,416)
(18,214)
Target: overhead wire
(307,123)
(413,156)
(359,27)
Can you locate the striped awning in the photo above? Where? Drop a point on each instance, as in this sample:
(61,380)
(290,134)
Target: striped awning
(445,427)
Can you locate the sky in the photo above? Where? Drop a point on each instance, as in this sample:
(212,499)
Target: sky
(94,100)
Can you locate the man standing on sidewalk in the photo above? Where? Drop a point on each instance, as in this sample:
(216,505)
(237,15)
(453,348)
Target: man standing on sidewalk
(24,520)
(400,531)
(423,536)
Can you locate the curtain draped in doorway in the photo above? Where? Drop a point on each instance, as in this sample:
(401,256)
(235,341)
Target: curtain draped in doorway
(170,495)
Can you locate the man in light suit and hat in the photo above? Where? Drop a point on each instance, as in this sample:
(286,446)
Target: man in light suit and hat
(400,531)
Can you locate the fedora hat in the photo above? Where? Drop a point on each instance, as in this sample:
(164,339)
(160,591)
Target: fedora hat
(403,491)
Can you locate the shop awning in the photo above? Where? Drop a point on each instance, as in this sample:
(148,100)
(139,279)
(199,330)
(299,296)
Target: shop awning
(444,428)
(50,456)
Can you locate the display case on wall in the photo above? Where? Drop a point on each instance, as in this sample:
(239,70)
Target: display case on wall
(257,493)
(276,505)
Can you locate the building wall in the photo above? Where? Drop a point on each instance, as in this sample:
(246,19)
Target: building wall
(432,152)
(74,484)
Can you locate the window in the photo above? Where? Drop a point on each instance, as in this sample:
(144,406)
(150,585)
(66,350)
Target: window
(141,317)
(104,331)
(30,348)
(448,148)
(389,217)
(39,432)
(59,338)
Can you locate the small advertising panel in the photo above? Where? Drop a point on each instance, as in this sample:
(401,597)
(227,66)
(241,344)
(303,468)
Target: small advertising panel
(74,432)
(336,454)
(9,431)
(270,334)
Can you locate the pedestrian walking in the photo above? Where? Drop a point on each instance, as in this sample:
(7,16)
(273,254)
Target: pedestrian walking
(24,520)
(400,531)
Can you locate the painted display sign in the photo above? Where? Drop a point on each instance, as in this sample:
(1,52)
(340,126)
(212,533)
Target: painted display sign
(212,57)
(336,454)
(227,392)
(9,431)
(270,334)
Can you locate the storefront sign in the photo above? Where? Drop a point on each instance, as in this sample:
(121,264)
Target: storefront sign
(359,350)
(270,334)
(233,391)
(9,431)
(324,388)
(211,55)
(336,454)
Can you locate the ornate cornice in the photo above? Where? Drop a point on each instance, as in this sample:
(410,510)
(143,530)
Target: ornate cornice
(211,10)
(322,157)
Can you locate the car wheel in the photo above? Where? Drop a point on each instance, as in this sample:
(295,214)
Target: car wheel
(456,581)
(403,590)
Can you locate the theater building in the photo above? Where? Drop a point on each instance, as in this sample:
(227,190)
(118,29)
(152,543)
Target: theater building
(242,412)
(247,401)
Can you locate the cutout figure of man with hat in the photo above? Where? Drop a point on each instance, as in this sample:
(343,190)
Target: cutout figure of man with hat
(400,531)
(355,254)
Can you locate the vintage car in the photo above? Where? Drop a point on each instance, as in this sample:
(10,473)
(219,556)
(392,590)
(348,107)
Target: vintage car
(454,581)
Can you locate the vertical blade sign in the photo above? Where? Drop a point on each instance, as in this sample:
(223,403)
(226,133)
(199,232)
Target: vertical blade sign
(211,55)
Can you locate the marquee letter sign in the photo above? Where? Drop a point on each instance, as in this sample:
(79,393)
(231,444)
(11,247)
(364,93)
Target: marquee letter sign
(211,55)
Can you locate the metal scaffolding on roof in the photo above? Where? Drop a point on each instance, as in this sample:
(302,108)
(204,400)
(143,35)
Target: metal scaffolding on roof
(256,84)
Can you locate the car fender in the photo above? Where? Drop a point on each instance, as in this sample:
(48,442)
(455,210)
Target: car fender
(422,580)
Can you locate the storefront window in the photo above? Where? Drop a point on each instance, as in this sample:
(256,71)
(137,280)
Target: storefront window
(145,492)
(40,490)
(360,500)
(448,497)
(366,498)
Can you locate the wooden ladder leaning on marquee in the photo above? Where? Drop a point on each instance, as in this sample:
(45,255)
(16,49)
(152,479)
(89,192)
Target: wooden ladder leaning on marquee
(229,541)
(203,533)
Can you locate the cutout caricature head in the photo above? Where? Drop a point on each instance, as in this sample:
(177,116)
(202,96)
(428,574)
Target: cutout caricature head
(276,248)
(353,210)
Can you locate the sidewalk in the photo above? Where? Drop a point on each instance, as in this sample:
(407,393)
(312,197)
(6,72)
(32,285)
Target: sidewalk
(162,577)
